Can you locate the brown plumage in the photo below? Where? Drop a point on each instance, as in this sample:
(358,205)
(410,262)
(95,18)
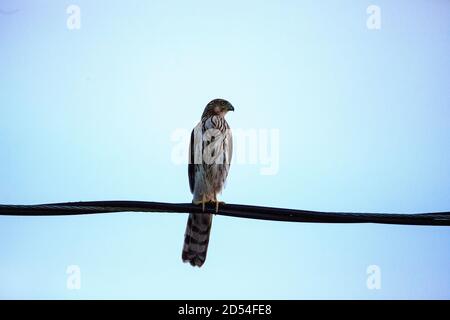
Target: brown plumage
(210,151)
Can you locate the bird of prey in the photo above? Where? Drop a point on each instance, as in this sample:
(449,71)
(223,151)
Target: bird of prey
(210,151)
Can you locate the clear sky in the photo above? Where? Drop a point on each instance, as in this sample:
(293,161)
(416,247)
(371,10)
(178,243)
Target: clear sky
(358,117)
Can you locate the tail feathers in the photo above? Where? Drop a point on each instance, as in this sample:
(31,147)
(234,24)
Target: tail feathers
(196,238)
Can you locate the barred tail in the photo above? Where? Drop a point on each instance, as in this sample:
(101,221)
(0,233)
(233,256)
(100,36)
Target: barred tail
(196,238)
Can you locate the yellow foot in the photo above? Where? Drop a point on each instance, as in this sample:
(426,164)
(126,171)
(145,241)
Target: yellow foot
(217,202)
(202,202)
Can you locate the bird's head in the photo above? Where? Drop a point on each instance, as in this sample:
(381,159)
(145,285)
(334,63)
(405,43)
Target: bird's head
(217,107)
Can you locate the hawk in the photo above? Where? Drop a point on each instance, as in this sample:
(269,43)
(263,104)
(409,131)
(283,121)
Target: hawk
(210,151)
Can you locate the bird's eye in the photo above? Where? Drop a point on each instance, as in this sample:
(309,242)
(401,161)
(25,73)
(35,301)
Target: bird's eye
(222,103)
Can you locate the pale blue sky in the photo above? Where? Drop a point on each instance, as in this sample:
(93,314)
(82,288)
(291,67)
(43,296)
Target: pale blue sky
(88,114)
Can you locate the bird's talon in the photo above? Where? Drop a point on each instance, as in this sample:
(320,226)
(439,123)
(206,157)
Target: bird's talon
(217,202)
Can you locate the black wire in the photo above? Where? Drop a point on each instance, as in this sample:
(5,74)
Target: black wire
(232,210)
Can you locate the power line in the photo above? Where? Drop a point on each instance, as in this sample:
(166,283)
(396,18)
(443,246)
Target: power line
(232,210)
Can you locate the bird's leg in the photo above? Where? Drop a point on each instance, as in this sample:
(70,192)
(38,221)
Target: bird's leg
(202,202)
(217,202)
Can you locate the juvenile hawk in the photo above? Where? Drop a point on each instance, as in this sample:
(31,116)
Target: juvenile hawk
(210,153)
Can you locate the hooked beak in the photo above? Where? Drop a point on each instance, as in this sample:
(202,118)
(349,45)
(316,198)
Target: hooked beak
(230,108)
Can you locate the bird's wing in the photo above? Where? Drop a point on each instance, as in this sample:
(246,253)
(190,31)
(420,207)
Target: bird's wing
(228,152)
(216,141)
(228,147)
(195,154)
(191,166)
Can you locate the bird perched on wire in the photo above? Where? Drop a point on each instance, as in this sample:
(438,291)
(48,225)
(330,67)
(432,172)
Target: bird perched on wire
(210,152)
